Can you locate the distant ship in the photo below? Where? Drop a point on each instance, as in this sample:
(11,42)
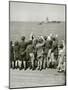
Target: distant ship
(42,22)
(47,20)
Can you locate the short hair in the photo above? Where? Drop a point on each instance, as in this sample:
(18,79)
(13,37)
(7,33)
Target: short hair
(23,38)
(53,38)
(45,37)
(61,46)
(16,43)
(11,42)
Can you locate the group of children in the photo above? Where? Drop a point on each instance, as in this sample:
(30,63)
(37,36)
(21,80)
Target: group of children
(39,53)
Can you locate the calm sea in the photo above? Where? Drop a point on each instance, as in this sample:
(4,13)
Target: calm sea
(18,29)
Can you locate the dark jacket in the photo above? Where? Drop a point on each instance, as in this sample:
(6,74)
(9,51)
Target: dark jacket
(11,53)
(23,46)
(16,52)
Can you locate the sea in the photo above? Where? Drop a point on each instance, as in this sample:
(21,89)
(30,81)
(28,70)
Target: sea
(19,29)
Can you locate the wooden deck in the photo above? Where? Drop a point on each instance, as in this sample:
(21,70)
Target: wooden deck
(29,78)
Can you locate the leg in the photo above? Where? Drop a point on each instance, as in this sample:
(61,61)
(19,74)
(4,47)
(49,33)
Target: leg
(44,62)
(32,60)
(10,64)
(19,64)
(13,64)
(47,62)
(41,63)
(16,64)
(38,64)
(24,63)
(32,64)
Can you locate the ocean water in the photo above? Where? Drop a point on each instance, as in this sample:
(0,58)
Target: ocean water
(18,29)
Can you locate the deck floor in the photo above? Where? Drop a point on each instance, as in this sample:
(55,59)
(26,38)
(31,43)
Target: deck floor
(29,78)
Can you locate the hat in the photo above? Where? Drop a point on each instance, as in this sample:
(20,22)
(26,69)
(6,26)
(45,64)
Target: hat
(10,42)
(61,46)
(45,37)
(16,43)
(23,38)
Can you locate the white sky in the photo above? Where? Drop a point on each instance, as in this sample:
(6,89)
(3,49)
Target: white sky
(36,12)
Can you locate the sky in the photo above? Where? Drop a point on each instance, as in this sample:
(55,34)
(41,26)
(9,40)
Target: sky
(36,12)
